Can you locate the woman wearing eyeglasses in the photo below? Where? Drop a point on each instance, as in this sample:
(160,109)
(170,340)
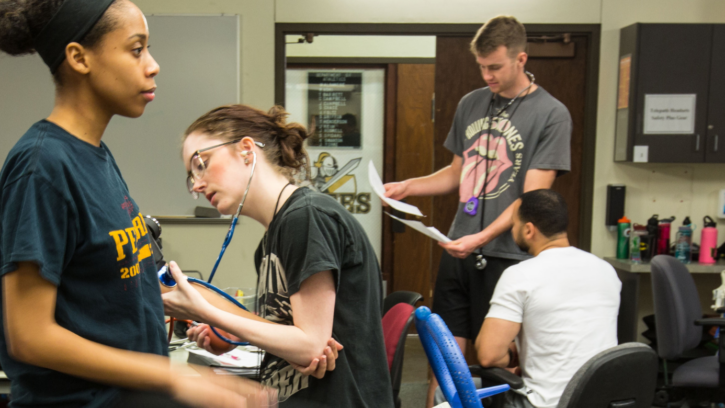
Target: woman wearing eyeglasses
(318,273)
(83,322)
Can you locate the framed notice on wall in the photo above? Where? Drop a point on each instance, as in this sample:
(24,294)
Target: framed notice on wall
(334,109)
(669,114)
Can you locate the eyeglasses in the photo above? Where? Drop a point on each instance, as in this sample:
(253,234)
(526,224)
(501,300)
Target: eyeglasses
(198,166)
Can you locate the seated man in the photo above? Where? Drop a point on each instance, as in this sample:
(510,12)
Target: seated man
(560,306)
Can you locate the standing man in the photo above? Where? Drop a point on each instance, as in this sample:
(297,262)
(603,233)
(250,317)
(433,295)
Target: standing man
(507,138)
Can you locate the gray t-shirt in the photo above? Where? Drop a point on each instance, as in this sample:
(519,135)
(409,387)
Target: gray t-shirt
(532,133)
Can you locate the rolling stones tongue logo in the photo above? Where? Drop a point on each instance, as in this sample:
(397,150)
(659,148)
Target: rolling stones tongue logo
(473,173)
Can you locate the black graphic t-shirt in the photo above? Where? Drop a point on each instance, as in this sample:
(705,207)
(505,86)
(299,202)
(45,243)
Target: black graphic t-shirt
(312,233)
(65,207)
(497,149)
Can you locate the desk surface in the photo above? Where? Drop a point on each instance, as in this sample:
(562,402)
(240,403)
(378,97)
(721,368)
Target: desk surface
(644,267)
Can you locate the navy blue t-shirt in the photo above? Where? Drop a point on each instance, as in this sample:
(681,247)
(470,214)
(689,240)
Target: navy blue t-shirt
(65,207)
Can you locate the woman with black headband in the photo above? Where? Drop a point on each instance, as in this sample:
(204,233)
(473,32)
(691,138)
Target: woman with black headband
(83,321)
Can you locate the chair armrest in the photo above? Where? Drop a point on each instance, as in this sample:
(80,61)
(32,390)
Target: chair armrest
(719,322)
(710,321)
(498,375)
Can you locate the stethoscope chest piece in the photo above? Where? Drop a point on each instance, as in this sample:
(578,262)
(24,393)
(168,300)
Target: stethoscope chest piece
(481,262)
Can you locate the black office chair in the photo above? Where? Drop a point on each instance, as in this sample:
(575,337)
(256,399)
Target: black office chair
(622,377)
(678,318)
(401,296)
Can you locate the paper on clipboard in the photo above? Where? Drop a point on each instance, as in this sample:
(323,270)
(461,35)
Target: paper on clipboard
(420,227)
(377,184)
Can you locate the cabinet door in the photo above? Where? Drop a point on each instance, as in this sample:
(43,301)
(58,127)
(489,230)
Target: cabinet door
(716,110)
(674,62)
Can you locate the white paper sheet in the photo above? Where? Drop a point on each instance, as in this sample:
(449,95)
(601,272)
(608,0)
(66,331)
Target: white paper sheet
(238,357)
(377,185)
(420,227)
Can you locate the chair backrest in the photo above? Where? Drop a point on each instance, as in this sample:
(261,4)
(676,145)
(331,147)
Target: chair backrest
(396,324)
(401,296)
(446,359)
(625,375)
(677,306)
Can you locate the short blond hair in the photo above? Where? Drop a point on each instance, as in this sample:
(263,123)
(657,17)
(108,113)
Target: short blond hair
(498,31)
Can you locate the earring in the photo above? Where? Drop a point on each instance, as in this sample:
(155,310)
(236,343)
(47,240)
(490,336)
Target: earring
(244,154)
(246,161)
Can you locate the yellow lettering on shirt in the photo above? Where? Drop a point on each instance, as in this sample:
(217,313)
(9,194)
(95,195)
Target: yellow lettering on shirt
(127,273)
(121,240)
(131,236)
(140,226)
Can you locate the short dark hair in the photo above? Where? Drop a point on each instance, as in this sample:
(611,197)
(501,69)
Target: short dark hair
(498,31)
(546,209)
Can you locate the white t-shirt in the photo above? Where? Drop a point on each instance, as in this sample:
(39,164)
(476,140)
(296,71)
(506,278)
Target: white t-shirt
(567,302)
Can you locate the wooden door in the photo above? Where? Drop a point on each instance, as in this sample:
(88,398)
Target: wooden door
(414,145)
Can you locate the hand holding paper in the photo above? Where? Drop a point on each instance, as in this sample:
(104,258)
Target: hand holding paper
(377,185)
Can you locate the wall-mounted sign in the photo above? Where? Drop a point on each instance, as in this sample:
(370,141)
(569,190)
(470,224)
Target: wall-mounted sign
(334,106)
(669,114)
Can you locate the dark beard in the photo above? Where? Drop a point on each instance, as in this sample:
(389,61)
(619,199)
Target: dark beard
(522,245)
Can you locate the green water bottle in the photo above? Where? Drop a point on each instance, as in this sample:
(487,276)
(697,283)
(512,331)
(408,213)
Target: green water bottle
(623,238)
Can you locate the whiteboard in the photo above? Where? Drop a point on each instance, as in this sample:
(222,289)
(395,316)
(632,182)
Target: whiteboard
(199,60)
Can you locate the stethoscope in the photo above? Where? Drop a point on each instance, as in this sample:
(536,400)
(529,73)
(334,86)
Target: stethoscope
(481,262)
(167,280)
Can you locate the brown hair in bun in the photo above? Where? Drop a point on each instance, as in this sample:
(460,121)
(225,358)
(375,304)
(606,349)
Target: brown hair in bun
(284,142)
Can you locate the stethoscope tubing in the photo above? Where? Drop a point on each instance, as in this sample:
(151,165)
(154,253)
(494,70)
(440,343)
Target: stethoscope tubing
(230,234)
(227,297)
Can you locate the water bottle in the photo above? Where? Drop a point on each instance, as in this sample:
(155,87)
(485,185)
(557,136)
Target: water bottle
(708,241)
(648,243)
(635,242)
(683,244)
(663,236)
(623,238)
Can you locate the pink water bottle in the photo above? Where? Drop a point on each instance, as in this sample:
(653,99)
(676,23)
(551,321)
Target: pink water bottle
(708,241)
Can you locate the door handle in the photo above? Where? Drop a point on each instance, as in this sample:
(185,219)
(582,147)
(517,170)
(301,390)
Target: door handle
(715,147)
(697,143)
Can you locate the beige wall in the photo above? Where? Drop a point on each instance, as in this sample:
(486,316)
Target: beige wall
(435,11)
(678,190)
(196,247)
(379,46)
